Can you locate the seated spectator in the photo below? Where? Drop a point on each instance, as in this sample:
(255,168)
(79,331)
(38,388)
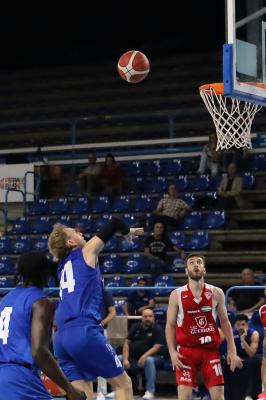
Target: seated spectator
(170,208)
(236,156)
(245,382)
(142,348)
(155,251)
(112,177)
(209,159)
(139,300)
(230,189)
(247,300)
(89,177)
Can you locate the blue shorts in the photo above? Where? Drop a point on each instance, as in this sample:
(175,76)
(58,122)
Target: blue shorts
(84,353)
(21,383)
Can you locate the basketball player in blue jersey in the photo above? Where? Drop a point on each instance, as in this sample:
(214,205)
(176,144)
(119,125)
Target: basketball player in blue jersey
(26,317)
(80,345)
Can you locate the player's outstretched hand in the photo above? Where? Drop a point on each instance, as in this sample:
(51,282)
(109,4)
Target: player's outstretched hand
(176,360)
(234,361)
(75,394)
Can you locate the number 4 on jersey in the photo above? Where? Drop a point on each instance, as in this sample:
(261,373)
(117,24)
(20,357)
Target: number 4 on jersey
(67,280)
(4,323)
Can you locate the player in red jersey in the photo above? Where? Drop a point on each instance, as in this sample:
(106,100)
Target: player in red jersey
(262,312)
(192,334)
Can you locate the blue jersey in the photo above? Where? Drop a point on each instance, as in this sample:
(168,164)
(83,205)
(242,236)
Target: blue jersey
(241,352)
(15,325)
(81,291)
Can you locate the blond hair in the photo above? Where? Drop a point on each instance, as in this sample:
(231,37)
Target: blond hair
(57,242)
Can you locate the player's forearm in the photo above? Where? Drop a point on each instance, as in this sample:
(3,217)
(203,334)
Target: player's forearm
(125,351)
(263,372)
(227,330)
(108,317)
(170,337)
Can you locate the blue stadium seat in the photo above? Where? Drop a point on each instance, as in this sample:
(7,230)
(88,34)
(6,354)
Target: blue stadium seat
(259,162)
(177,238)
(129,219)
(131,168)
(135,279)
(119,307)
(157,185)
(116,281)
(134,264)
(6,266)
(39,207)
(255,323)
(111,264)
(160,315)
(84,222)
(21,226)
(73,189)
(64,220)
(174,167)
(248,181)
(181,183)
(191,221)
(198,241)
(5,282)
(135,245)
(162,283)
(154,168)
(60,206)
(41,225)
(41,244)
(199,183)
(100,221)
(100,205)
(143,203)
(120,204)
(112,244)
(22,245)
(177,265)
(80,206)
(214,220)
(6,245)
(215,182)
(188,198)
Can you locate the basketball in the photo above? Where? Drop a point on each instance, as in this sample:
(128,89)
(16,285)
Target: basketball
(133,66)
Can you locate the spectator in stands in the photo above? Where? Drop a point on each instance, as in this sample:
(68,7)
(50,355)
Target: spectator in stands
(230,189)
(236,156)
(139,300)
(209,159)
(109,313)
(112,176)
(155,251)
(89,178)
(247,300)
(245,382)
(142,350)
(170,208)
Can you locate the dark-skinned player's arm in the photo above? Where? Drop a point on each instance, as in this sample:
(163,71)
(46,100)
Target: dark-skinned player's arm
(94,246)
(41,326)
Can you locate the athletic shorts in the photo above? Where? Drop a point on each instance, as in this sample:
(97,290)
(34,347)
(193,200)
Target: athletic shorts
(83,352)
(21,383)
(207,361)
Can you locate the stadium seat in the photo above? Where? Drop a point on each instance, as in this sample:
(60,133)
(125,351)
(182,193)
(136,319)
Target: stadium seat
(135,245)
(198,241)
(135,279)
(157,185)
(80,206)
(73,190)
(100,205)
(174,167)
(41,244)
(120,204)
(177,238)
(6,266)
(255,323)
(41,225)
(22,245)
(131,169)
(215,182)
(129,219)
(188,198)
(214,220)
(21,226)
(160,315)
(39,207)
(134,264)
(154,168)
(100,221)
(5,282)
(84,222)
(177,265)
(199,183)
(143,203)
(248,181)
(6,245)
(65,220)
(259,162)
(111,264)
(111,245)
(162,284)
(181,183)
(60,206)
(119,307)
(116,282)
(191,221)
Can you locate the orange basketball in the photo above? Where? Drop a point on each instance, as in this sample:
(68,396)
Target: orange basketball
(133,66)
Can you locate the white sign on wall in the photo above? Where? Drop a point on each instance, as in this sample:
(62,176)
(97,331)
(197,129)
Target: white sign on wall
(12,177)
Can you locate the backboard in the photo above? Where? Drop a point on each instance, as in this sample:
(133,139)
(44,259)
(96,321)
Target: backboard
(244,55)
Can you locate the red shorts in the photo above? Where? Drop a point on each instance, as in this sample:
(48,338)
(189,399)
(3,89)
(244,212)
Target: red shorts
(207,361)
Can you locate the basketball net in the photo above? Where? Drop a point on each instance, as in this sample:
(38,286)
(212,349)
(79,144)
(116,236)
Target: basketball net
(232,117)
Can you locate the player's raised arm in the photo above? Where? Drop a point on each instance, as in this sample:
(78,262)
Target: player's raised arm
(94,246)
(232,357)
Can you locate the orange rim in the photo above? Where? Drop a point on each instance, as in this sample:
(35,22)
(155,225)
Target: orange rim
(218,88)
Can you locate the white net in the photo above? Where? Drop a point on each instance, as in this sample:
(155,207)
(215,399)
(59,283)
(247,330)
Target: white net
(232,117)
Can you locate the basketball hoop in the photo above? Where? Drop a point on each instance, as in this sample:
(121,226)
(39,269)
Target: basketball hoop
(232,117)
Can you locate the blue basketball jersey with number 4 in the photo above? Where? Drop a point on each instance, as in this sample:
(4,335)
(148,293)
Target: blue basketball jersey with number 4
(81,291)
(15,325)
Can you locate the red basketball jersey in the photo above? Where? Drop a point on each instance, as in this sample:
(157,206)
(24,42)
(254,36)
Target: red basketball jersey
(262,312)
(196,319)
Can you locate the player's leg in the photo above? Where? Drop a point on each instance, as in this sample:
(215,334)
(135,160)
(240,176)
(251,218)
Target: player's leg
(84,386)
(184,392)
(123,386)
(217,392)
(186,376)
(212,373)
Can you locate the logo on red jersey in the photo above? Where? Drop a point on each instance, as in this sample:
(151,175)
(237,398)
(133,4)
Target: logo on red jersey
(201,321)
(208,295)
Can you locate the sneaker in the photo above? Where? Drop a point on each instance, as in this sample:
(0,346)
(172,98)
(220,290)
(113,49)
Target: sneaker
(100,396)
(148,395)
(110,395)
(248,398)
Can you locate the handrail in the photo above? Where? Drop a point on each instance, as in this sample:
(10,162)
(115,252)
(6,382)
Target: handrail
(2,210)
(242,288)
(6,200)
(36,189)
